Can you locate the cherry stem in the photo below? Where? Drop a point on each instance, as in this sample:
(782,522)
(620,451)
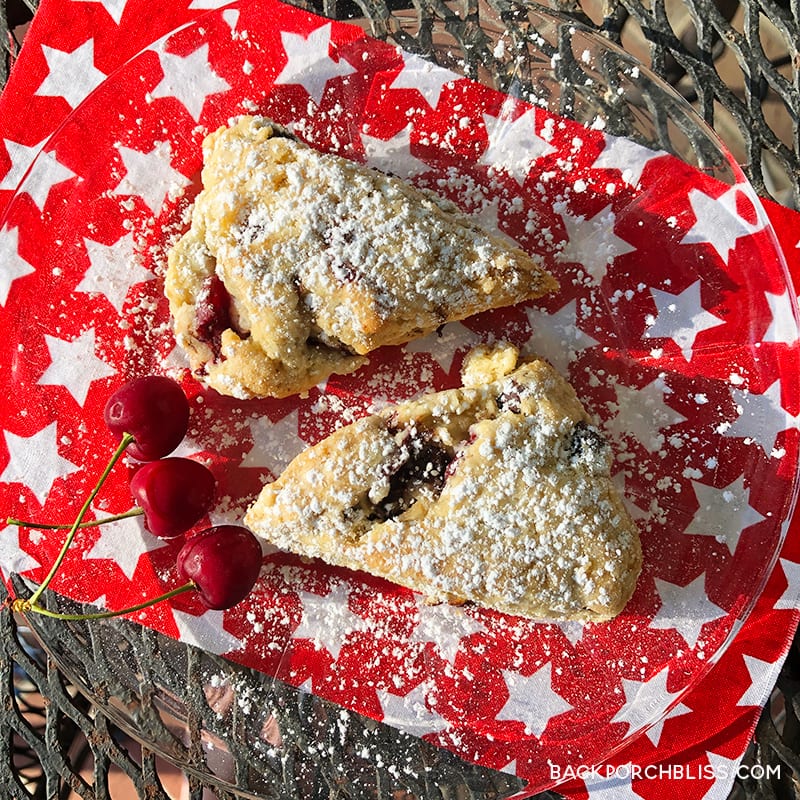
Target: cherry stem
(25,606)
(124,442)
(94,523)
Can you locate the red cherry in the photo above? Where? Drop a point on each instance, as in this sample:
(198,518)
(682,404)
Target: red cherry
(154,410)
(174,494)
(223,562)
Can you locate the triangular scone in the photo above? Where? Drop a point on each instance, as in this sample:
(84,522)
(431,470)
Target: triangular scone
(298,263)
(498,493)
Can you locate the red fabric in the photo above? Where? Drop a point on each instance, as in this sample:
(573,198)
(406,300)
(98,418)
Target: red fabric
(324,625)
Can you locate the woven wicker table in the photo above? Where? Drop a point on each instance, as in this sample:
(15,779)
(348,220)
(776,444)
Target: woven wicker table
(738,64)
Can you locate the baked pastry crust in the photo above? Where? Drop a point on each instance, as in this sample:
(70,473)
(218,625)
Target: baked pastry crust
(498,493)
(298,263)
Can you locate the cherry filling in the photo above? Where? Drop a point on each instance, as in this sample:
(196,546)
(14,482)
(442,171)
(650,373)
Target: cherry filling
(421,467)
(212,313)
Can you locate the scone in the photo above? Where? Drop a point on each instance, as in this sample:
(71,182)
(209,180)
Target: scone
(498,493)
(298,263)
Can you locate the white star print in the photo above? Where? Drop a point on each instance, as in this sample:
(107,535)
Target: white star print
(572,630)
(175,360)
(531,700)
(208,5)
(189,79)
(762,417)
(556,336)
(14,266)
(13,559)
(223,514)
(592,243)
(763,675)
(445,626)
(74,365)
(310,64)
(717,222)
(206,631)
(510,768)
(410,713)
(113,270)
(427,78)
(653,733)
(275,444)
(190,448)
(70,75)
(34,461)
(791,594)
(616,788)
(724,771)
(724,513)
(22,157)
(231,17)
(783,326)
(47,171)
(115,8)
(443,344)
(685,609)
(627,156)
(327,620)
(488,217)
(124,542)
(100,602)
(150,176)
(393,155)
(514,144)
(645,701)
(680,317)
(638,514)
(643,414)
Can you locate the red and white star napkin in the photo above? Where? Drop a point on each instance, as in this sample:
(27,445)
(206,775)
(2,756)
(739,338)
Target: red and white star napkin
(682,350)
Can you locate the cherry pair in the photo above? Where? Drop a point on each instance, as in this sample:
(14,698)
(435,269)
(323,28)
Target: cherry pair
(172,493)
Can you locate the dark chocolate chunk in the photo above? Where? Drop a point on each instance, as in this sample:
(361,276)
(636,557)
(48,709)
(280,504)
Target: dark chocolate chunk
(586,438)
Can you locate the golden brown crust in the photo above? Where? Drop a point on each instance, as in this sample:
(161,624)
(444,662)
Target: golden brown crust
(497,493)
(323,260)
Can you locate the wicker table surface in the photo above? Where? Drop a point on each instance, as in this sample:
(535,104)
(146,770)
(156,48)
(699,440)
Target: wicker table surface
(738,64)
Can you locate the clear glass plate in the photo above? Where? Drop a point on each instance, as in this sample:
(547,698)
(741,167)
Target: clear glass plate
(675,324)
